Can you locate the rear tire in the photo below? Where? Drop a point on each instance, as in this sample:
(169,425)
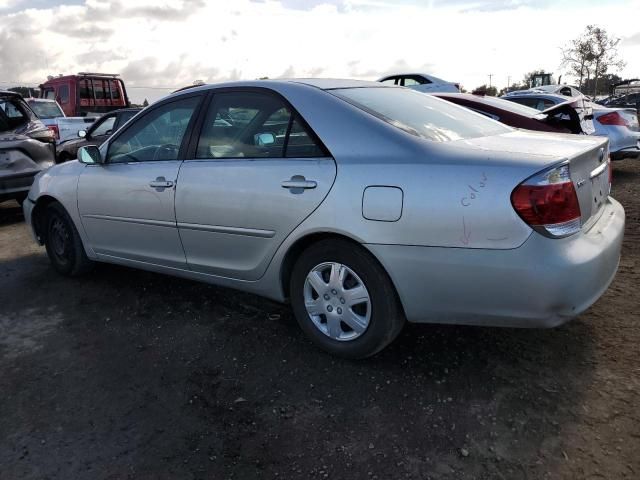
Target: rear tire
(343,299)
(63,243)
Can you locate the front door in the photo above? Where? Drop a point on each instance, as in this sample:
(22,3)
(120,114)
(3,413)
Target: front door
(127,204)
(256,174)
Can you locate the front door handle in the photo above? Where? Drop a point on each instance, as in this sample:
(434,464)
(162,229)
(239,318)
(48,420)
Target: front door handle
(298,184)
(161,183)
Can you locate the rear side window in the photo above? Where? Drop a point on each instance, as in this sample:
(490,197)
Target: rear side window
(86,90)
(419,114)
(115,89)
(253,125)
(49,93)
(98,89)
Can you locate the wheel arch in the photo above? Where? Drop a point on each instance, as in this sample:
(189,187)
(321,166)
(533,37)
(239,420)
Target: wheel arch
(38,216)
(306,241)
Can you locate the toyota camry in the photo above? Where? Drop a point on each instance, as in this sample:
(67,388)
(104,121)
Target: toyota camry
(361,204)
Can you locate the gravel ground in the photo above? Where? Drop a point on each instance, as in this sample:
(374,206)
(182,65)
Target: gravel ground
(127,374)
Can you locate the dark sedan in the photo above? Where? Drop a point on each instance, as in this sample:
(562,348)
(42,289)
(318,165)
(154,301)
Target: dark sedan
(559,119)
(97,133)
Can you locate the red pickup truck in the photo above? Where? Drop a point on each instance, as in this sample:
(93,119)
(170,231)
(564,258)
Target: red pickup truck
(86,93)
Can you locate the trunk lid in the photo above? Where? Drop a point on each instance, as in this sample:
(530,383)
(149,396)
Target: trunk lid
(590,173)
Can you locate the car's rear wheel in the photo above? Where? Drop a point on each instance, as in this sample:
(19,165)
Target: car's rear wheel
(344,300)
(63,243)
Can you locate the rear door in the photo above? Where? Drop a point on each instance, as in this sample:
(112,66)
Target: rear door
(256,171)
(127,204)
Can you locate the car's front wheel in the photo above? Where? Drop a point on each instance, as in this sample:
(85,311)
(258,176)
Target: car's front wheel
(344,300)
(63,243)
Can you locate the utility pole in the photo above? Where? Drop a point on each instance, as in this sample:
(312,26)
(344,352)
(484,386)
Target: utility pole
(508,82)
(490,75)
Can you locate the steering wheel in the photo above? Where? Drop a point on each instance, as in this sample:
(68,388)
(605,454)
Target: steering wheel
(167,148)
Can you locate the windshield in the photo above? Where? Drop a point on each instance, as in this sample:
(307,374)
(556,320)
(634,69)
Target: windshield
(420,114)
(512,107)
(46,109)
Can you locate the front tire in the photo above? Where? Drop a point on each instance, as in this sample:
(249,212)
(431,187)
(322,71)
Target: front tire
(344,300)
(64,246)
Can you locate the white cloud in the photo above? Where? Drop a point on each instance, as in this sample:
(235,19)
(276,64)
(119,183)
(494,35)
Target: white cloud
(172,43)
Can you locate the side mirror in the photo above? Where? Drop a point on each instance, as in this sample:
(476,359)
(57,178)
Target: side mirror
(90,154)
(82,133)
(264,139)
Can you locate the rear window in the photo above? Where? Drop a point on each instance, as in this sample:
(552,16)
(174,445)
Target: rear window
(511,107)
(421,115)
(13,113)
(46,109)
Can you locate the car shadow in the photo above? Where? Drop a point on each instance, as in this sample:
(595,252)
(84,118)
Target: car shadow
(181,370)
(10,213)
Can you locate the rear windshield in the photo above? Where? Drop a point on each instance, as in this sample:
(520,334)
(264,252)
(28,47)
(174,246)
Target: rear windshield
(13,113)
(420,114)
(46,109)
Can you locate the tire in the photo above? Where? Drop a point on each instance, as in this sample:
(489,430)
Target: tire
(377,321)
(62,241)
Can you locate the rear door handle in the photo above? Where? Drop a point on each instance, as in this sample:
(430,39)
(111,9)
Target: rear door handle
(298,183)
(161,183)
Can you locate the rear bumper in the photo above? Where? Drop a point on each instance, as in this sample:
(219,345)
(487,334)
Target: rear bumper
(543,283)
(15,185)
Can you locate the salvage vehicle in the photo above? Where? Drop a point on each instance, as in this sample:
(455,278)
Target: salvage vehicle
(97,133)
(619,125)
(564,90)
(63,127)
(26,147)
(421,82)
(86,94)
(362,204)
(561,118)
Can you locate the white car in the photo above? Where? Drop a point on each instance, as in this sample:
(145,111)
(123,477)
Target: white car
(64,128)
(421,82)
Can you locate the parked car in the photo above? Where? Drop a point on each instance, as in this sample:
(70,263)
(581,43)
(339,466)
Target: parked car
(564,90)
(421,82)
(63,127)
(631,100)
(362,204)
(86,94)
(618,124)
(96,133)
(26,147)
(561,118)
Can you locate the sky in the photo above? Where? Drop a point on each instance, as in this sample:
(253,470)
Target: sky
(160,45)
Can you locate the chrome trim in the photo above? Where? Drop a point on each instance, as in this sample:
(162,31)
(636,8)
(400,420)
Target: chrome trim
(141,221)
(247,232)
(597,171)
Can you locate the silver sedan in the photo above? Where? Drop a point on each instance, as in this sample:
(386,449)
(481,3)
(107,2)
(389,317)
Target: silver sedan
(364,205)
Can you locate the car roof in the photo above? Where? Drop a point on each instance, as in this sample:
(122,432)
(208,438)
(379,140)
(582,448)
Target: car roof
(43,100)
(320,83)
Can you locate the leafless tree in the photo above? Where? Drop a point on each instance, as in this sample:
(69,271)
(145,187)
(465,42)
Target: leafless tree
(594,52)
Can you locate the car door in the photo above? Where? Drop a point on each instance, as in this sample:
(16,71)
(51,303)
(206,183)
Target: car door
(127,203)
(255,172)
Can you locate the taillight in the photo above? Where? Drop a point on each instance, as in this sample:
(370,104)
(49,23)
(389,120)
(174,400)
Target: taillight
(548,203)
(613,118)
(55,130)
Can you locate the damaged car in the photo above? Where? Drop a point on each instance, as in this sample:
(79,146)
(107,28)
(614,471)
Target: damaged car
(27,147)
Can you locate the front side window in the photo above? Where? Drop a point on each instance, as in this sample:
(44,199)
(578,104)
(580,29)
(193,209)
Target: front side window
(419,114)
(413,81)
(63,94)
(253,125)
(49,93)
(156,136)
(105,127)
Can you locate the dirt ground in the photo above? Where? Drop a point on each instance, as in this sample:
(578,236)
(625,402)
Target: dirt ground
(126,374)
